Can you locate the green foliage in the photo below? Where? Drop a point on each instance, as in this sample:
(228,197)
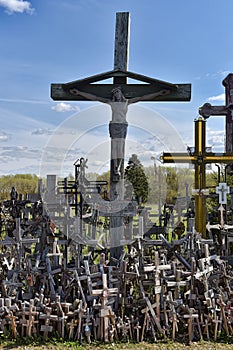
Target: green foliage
(136,177)
(24,184)
(167,183)
(172,185)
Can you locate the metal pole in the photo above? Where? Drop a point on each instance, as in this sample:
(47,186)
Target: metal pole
(200,177)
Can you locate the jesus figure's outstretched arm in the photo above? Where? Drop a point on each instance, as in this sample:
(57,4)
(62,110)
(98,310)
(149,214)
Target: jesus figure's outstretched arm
(89,96)
(149,96)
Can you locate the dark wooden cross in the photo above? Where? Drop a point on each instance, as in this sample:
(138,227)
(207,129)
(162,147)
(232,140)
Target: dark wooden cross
(207,110)
(200,157)
(118,95)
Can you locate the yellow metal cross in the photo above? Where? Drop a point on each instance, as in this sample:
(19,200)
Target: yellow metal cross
(199,158)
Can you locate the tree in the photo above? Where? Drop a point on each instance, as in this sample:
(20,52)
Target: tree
(24,184)
(135,175)
(172,185)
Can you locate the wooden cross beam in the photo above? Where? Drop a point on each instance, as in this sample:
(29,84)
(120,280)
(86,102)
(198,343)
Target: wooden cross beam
(120,74)
(200,157)
(179,92)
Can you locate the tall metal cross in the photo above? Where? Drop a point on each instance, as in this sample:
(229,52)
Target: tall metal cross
(119,95)
(199,158)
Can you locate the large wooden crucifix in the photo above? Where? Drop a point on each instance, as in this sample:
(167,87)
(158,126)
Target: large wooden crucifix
(200,157)
(119,95)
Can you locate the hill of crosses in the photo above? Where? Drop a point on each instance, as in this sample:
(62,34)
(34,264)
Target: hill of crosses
(80,267)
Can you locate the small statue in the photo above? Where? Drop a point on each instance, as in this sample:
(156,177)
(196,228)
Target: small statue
(14,194)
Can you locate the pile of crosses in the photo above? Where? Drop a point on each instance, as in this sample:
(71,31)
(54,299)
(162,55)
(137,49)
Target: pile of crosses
(156,291)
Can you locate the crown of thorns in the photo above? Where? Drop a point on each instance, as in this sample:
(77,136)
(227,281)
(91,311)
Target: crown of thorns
(115,89)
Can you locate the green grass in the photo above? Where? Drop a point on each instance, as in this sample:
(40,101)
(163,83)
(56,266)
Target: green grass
(52,344)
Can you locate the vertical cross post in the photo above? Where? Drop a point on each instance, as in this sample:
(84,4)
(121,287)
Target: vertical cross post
(200,175)
(118,133)
(121,51)
(228,84)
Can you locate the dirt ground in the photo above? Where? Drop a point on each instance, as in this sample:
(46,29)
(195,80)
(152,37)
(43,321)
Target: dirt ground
(120,346)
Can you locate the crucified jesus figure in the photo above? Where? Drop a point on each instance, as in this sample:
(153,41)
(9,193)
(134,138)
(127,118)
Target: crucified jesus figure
(118,125)
(119,104)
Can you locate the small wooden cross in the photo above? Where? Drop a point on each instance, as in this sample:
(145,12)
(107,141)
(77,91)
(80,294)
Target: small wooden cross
(71,327)
(48,317)
(11,318)
(192,316)
(223,313)
(32,319)
(104,312)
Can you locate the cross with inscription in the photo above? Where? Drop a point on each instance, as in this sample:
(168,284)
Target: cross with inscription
(119,96)
(199,158)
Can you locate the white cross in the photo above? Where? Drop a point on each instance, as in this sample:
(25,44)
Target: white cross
(222,191)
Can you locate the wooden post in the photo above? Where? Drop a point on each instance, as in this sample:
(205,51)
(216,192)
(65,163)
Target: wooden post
(118,133)
(228,83)
(122,41)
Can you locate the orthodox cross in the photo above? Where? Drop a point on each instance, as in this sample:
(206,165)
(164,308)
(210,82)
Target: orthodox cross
(118,96)
(200,157)
(207,110)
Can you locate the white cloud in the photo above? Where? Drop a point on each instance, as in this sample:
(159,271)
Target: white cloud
(4,136)
(19,6)
(213,75)
(64,107)
(216,137)
(41,131)
(220,97)
(11,100)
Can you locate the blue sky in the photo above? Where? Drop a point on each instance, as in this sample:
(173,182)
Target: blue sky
(57,41)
